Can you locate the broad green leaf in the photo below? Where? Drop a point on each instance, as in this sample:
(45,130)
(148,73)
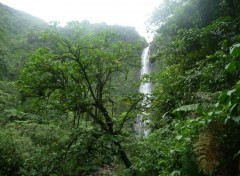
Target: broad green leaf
(179,137)
(233,48)
(210,114)
(236,119)
(231,67)
(229,93)
(175,173)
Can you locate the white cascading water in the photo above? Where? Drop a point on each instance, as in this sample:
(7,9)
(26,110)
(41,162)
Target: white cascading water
(146,69)
(145,88)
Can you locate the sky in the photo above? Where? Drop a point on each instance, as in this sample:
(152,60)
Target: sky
(121,12)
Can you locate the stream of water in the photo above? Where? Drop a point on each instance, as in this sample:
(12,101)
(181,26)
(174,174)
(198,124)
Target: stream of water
(145,88)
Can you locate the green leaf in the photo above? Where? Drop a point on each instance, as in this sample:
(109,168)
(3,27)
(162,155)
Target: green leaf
(237,154)
(175,173)
(186,108)
(235,50)
(233,108)
(223,97)
(226,119)
(231,67)
(179,137)
(123,115)
(236,119)
(229,93)
(210,114)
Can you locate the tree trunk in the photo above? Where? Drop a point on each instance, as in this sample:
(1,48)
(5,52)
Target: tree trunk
(123,156)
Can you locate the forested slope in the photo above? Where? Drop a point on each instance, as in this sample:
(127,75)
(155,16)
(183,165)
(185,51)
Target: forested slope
(195,101)
(67,96)
(20,34)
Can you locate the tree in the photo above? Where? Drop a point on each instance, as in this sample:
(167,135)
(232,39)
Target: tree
(86,78)
(3,65)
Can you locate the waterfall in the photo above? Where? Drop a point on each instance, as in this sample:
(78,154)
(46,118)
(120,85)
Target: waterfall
(145,88)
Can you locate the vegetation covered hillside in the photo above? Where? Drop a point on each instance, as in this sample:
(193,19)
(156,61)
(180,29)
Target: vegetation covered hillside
(67,98)
(20,34)
(195,101)
(69,95)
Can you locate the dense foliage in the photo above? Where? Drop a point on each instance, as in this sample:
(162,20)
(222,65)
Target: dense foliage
(69,95)
(19,36)
(195,104)
(72,109)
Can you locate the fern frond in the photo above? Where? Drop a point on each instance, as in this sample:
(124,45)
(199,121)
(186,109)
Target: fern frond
(187,108)
(207,152)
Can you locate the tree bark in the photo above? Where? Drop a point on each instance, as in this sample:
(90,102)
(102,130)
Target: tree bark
(123,156)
